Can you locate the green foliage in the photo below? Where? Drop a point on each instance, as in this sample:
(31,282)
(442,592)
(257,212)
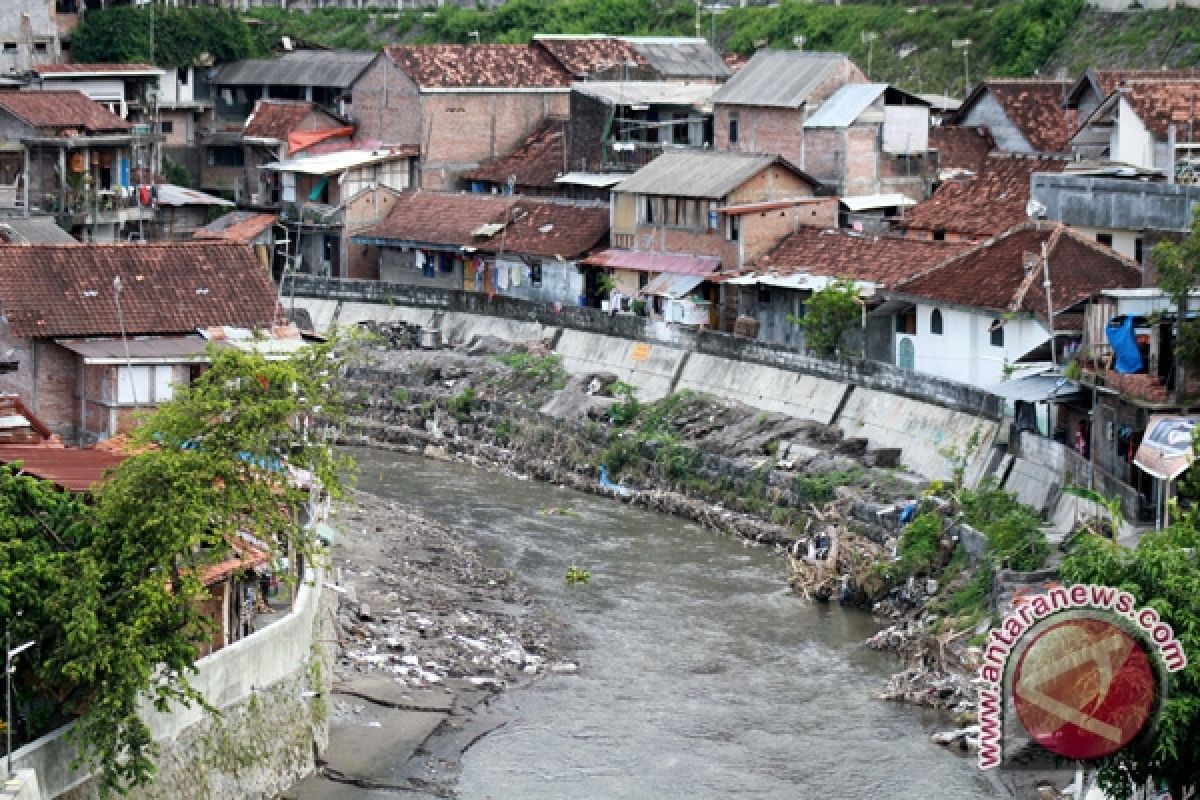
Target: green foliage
(400,396)
(819,488)
(920,542)
(829,315)
(1163,572)
(1178,265)
(463,403)
(1013,531)
(960,458)
(621,452)
(627,407)
(176,174)
(109,589)
(540,370)
(973,598)
(577,575)
(183,37)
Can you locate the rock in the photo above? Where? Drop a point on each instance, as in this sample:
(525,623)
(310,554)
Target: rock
(364,612)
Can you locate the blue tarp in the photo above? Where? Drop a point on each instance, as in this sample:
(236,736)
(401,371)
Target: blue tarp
(1119,333)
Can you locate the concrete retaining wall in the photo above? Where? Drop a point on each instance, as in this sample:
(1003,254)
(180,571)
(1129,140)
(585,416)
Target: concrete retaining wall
(924,432)
(461,328)
(262,742)
(354,313)
(649,368)
(768,388)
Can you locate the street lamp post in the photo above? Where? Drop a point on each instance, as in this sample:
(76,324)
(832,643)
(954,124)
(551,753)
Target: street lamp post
(9,655)
(965,44)
(868,38)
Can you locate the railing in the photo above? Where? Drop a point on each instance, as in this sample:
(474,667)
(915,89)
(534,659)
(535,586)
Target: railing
(314,214)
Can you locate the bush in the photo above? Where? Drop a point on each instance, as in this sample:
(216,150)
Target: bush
(627,408)
(920,544)
(1013,531)
(463,403)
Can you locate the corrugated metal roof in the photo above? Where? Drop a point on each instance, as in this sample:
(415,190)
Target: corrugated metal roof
(680,57)
(676,263)
(73,470)
(600,180)
(177,349)
(694,174)
(869,201)
(333,163)
(648,92)
(781,78)
(33,230)
(171,195)
(844,105)
(671,285)
(338,68)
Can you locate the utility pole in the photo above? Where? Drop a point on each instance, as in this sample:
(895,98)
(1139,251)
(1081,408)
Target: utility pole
(868,38)
(965,44)
(9,655)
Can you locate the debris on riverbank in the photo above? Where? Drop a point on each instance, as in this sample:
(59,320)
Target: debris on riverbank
(428,633)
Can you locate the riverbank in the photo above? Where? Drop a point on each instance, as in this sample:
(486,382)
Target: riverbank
(428,634)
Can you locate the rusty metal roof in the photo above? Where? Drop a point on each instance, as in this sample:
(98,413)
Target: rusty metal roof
(676,263)
(72,469)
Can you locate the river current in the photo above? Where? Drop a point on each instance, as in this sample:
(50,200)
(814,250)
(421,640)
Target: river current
(701,676)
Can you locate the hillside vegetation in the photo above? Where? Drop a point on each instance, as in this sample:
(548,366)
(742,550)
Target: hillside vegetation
(911,46)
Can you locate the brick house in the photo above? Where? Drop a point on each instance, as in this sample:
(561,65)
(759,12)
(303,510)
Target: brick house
(870,139)
(60,305)
(124,89)
(516,246)
(981,205)
(960,149)
(533,167)
(274,131)
(762,109)
(77,160)
(1024,115)
(720,210)
(972,316)
(460,105)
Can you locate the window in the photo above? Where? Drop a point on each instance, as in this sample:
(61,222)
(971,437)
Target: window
(166,126)
(226,157)
(145,385)
(1137,250)
(939,235)
(643,279)
(10,48)
(1104,239)
(183,76)
(906,321)
(996,333)
(40,48)
(935,322)
(764,295)
(733,227)
(733,128)
(535,275)
(648,210)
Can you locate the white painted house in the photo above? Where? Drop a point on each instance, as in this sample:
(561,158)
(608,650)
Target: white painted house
(973,318)
(1149,123)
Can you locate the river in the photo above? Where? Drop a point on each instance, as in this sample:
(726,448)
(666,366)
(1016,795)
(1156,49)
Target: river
(701,676)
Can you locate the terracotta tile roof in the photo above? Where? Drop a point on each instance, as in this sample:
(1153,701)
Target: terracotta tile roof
(65,109)
(961,147)
(536,162)
(237,226)
(167,288)
(885,260)
(275,119)
(492,66)
(990,202)
(1109,79)
(242,556)
(1035,108)
(67,69)
(451,220)
(552,229)
(1159,103)
(1005,274)
(589,55)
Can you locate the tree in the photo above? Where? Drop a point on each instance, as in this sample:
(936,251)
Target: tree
(1178,266)
(829,315)
(181,37)
(1163,572)
(110,590)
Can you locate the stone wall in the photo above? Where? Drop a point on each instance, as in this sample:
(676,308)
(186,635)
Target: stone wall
(272,690)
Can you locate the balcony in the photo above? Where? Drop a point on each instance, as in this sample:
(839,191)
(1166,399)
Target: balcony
(314,215)
(106,206)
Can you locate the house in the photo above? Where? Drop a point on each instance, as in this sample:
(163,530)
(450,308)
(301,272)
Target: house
(274,131)
(1148,124)
(128,90)
(72,157)
(620,126)
(1024,115)
(515,246)
(329,196)
(870,138)
(981,205)
(28,35)
(973,317)
(763,108)
(248,227)
(458,105)
(1095,85)
(184,103)
(106,329)
(181,212)
(781,282)
(531,169)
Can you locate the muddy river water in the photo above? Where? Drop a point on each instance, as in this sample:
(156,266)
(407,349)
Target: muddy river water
(700,675)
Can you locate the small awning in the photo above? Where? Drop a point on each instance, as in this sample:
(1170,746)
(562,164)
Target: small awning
(1036,388)
(671,285)
(597,180)
(867,202)
(1166,449)
(676,263)
(153,350)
